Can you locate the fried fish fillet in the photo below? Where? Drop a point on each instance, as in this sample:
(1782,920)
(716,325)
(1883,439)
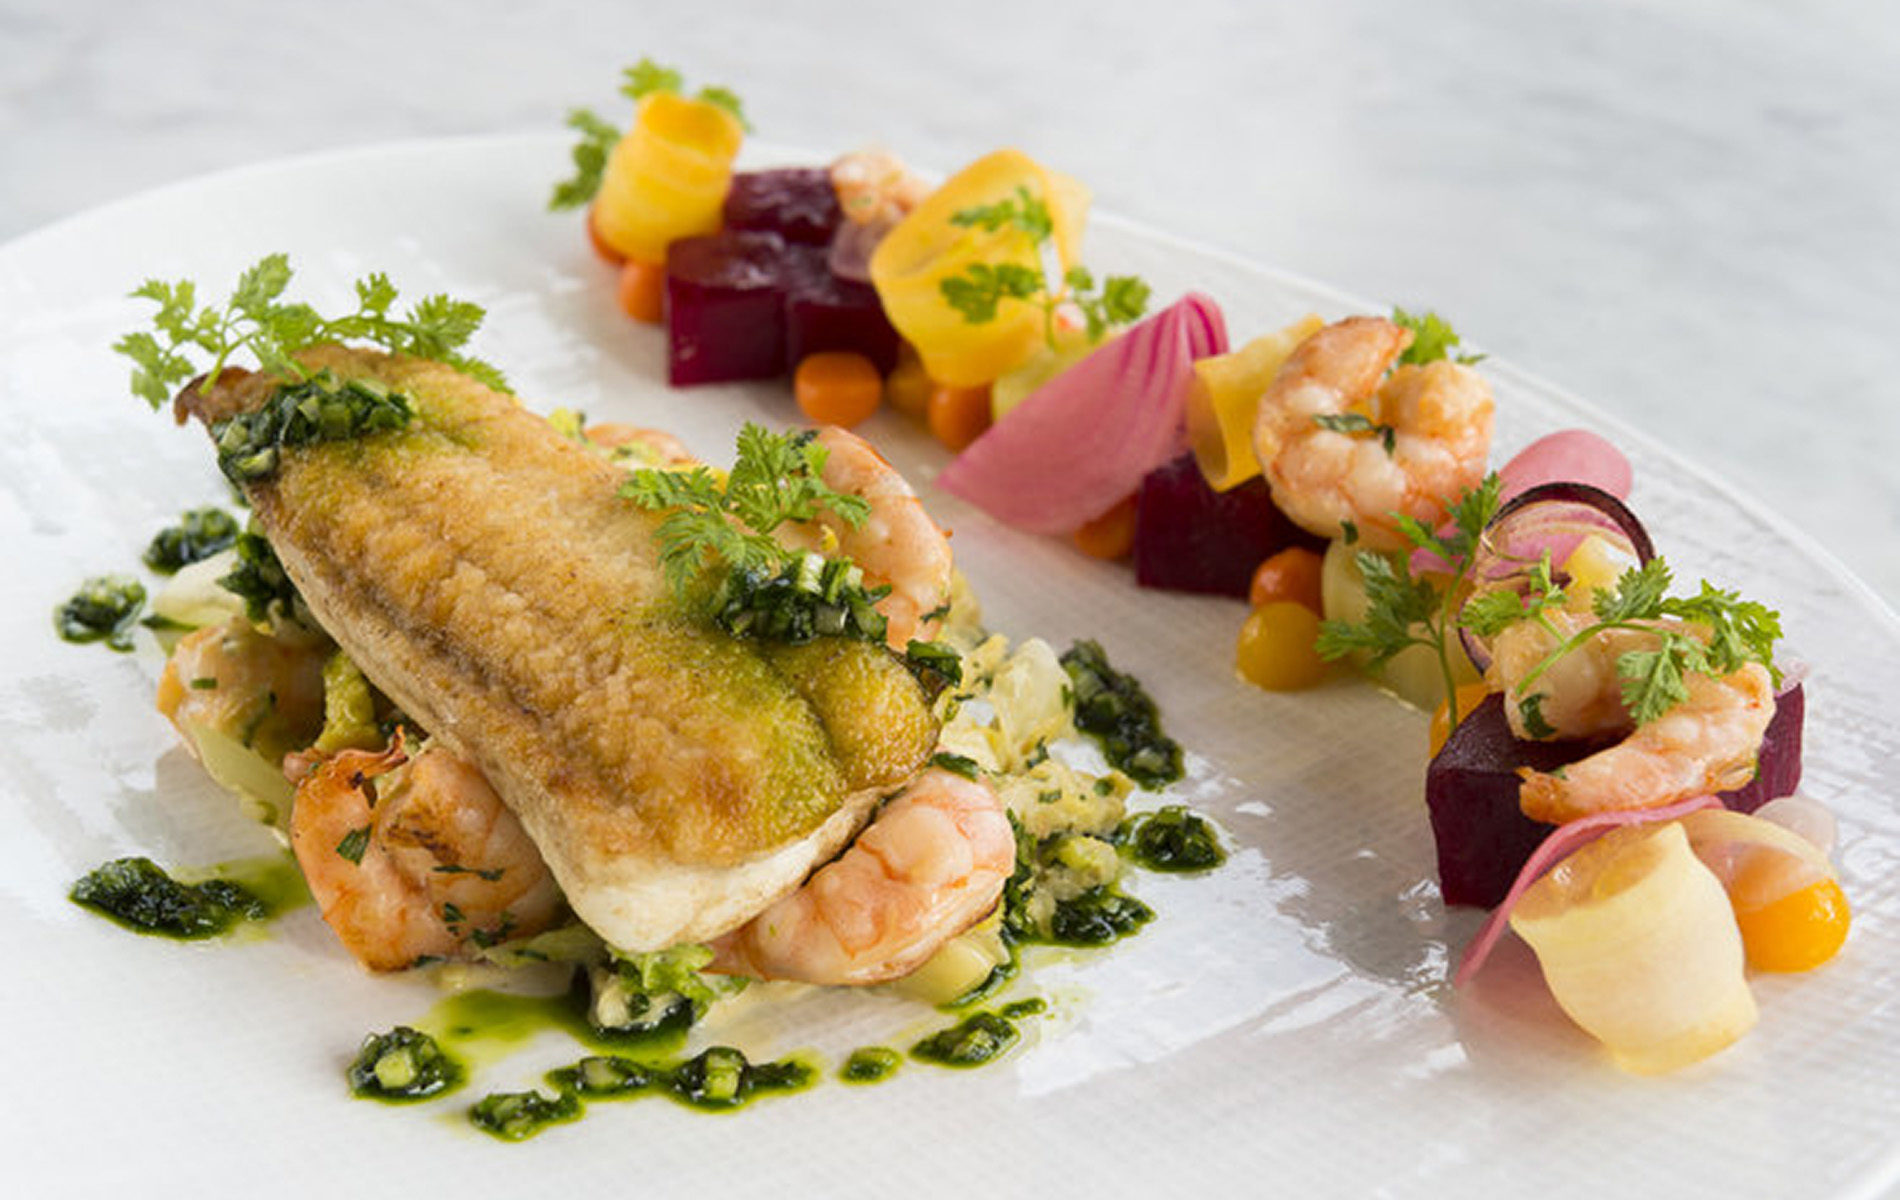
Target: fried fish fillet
(483,572)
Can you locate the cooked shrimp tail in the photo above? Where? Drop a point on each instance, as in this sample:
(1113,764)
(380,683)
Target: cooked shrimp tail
(930,864)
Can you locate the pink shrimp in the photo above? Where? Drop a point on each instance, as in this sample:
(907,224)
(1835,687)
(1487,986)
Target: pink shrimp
(415,858)
(930,864)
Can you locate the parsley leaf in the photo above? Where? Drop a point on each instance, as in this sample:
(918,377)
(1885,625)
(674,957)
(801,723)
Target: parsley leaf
(1358,423)
(256,319)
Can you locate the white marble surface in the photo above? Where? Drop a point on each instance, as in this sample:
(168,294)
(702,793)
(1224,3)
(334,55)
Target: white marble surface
(1681,210)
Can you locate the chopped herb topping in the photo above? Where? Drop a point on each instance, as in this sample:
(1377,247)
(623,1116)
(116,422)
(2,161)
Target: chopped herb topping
(104,609)
(1171,839)
(956,764)
(490,874)
(403,1064)
(354,843)
(1117,711)
(138,894)
(870,1064)
(517,1116)
(199,534)
(722,1077)
(321,408)
(603,1075)
(1358,423)
(255,319)
(259,580)
(1097,917)
(767,591)
(979,1038)
(1531,710)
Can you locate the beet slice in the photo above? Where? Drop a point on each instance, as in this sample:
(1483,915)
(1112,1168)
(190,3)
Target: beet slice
(1471,788)
(825,312)
(725,307)
(1191,538)
(797,203)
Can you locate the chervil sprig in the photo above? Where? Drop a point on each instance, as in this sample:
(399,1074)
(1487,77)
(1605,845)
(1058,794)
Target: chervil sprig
(1433,338)
(1718,632)
(775,478)
(980,288)
(188,339)
(1403,609)
(590,159)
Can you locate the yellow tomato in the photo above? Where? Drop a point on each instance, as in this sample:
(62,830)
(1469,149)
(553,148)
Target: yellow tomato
(928,246)
(1469,695)
(667,179)
(1276,647)
(1798,932)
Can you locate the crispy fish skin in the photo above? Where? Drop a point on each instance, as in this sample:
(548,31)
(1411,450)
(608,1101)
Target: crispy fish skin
(482,571)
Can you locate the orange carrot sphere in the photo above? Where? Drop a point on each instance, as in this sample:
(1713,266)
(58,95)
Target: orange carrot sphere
(836,387)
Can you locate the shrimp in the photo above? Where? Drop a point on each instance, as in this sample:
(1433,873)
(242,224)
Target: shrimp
(415,857)
(263,691)
(1705,744)
(1426,431)
(898,544)
(635,446)
(875,188)
(930,864)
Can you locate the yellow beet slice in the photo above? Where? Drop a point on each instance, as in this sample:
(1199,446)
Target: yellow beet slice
(1226,395)
(667,179)
(928,246)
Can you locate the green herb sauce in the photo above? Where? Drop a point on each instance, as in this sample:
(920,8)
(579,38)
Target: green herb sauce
(722,1078)
(402,1066)
(199,534)
(138,894)
(1118,713)
(870,1064)
(979,1038)
(605,1076)
(517,1116)
(104,609)
(1097,917)
(1171,839)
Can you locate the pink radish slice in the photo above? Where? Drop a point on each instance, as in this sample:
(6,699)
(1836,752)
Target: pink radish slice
(1087,438)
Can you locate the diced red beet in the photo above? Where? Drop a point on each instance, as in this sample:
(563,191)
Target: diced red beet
(797,203)
(824,312)
(1471,789)
(725,307)
(1191,538)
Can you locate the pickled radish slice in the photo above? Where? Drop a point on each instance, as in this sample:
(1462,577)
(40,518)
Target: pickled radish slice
(1640,948)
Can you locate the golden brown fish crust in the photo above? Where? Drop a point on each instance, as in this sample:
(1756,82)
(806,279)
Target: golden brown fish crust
(483,572)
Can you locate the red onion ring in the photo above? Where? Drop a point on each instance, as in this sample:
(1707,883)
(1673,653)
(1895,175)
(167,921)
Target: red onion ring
(1553,518)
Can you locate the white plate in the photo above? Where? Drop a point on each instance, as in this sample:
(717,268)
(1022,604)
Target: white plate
(1283,1028)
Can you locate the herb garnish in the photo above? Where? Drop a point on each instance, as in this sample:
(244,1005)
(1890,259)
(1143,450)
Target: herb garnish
(598,135)
(259,580)
(199,534)
(1406,610)
(982,287)
(321,408)
(1433,338)
(767,591)
(255,319)
(104,609)
(1117,711)
(1721,632)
